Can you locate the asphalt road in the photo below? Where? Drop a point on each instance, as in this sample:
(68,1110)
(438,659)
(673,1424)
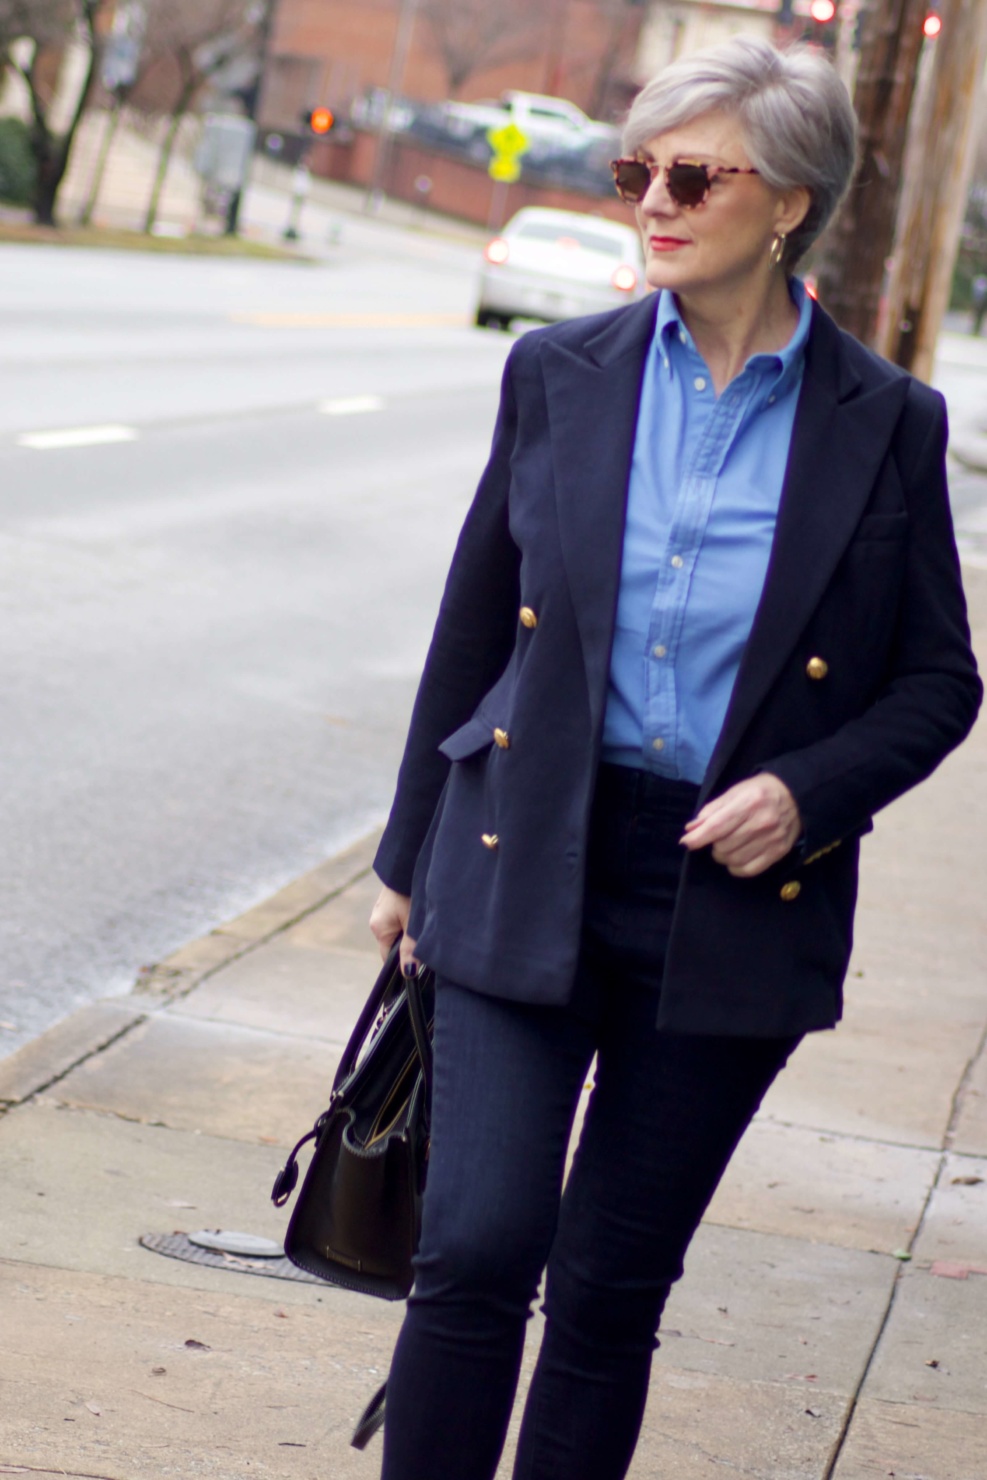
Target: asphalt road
(211,631)
(228,495)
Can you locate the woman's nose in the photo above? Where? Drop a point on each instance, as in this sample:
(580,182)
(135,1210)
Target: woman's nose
(657,201)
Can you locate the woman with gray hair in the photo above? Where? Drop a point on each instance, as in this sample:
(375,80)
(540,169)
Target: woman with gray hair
(704,619)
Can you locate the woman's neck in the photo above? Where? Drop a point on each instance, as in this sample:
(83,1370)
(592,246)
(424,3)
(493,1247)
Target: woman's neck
(728,328)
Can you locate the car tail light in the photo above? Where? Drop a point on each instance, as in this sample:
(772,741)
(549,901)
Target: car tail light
(497,251)
(624,278)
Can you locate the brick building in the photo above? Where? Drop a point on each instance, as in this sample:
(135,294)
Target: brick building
(596,53)
(329,51)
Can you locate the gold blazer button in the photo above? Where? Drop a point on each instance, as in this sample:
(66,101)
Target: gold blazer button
(528,617)
(490,840)
(502,739)
(791,890)
(817,668)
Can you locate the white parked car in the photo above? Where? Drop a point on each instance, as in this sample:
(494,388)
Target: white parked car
(552,265)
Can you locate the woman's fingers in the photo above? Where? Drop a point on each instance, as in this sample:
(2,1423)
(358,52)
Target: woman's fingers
(389,919)
(406,953)
(750,827)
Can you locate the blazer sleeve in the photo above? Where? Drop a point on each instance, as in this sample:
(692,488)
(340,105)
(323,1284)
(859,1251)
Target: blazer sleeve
(473,639)
(931,694)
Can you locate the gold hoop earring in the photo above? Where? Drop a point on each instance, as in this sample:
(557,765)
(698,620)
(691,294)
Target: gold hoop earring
(778,249)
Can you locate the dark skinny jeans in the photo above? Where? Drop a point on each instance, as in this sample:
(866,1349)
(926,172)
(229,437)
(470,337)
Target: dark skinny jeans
(663,1121)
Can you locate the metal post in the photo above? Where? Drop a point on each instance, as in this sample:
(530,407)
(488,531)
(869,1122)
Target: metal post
(252,100)
(385,135)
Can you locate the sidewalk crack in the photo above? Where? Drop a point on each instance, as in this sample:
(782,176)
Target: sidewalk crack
(855,1396)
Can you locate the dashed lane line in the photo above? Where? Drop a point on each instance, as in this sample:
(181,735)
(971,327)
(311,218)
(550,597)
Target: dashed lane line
(277,320)
(351,405)
(55,440)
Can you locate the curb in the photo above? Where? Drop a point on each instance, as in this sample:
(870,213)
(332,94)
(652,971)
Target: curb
(61,1048)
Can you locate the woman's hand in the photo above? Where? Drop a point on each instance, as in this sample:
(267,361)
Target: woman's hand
(388,920)
(750,826)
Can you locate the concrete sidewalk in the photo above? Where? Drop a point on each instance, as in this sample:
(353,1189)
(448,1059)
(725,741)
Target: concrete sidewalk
(833,1318)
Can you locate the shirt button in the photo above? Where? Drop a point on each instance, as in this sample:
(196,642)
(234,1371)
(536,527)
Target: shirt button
(658,744)
(660,650)
(700,383)
(682,338)
(678,562)
(771,400)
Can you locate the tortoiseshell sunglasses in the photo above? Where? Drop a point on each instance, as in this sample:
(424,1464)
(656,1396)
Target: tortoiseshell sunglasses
(688,184)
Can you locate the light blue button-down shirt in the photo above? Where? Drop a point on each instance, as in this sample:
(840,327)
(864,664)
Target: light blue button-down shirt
(703,499)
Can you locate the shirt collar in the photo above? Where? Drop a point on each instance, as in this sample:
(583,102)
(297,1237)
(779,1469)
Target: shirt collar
(780,367)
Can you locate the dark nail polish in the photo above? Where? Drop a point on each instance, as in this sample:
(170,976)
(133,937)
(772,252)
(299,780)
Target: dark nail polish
(411,969)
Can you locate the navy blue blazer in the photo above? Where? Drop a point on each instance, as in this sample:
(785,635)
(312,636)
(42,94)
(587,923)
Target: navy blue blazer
(488,830)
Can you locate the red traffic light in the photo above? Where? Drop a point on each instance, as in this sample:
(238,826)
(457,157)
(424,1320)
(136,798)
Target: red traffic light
(932,25)
(822,10)
(321,120)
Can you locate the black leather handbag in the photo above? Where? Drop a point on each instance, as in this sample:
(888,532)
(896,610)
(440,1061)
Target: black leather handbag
(357,1217)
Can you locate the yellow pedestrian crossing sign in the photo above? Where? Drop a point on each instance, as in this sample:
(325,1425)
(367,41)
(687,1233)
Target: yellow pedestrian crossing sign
(508,143)
(501,167)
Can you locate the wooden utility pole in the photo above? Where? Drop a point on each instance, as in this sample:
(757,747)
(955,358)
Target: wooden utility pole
(938,166)
(856,250)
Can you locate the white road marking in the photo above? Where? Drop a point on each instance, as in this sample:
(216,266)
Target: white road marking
(77,437)
(351,405)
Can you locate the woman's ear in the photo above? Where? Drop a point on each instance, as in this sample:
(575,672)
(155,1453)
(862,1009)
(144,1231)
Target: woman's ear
(793,207)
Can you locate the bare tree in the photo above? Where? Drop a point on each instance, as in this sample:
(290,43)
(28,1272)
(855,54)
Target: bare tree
(48,26)
(621,23)
(474,35)
(188,43)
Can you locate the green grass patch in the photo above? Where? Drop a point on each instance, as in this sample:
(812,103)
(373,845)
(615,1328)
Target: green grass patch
(136,241)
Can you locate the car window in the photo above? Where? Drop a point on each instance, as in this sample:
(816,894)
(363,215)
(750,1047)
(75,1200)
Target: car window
(593,241)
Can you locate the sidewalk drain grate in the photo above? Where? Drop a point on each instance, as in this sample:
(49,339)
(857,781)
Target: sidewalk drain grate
(180,1246)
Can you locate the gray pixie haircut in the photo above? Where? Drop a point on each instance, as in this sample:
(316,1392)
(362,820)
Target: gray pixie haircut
(793,111)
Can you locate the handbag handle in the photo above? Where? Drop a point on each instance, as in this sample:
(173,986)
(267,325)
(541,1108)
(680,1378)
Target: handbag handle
(390,977)
(419,1027)
(368,1013)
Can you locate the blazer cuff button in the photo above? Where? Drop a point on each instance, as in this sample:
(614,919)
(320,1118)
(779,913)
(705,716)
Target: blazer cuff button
(791,890)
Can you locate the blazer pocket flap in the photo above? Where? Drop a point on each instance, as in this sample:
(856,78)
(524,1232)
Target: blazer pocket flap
(475,735)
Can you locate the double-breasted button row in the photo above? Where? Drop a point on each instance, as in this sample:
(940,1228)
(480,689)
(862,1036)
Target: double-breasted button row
(528,617)
(501,739)
(491,841)
(817,668)
(791,890)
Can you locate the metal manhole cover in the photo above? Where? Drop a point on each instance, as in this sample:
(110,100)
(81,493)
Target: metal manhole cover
(180,1246)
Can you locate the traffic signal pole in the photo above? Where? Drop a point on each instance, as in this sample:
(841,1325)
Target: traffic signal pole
(939,164)
(252,106)
(851,274)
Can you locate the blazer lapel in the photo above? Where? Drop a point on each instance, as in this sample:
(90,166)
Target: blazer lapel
(841,436)
(593,395)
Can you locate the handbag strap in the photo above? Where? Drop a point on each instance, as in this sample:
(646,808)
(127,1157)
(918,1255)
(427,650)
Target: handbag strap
(419,1027)
(388,975)
(370,1420)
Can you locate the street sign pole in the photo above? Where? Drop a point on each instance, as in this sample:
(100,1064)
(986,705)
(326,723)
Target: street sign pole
(508,143)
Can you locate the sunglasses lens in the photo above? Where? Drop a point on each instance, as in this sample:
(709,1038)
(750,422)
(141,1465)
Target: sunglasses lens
(688,184)
(632,179)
